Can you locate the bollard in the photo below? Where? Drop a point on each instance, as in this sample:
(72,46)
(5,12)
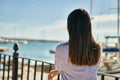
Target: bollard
(15,62)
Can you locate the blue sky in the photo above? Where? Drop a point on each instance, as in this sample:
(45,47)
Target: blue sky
(46,19)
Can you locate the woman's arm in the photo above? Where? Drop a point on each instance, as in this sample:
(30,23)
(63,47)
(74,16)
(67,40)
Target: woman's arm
(52,74)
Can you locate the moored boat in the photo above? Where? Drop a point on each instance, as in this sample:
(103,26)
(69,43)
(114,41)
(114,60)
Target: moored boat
(3,49)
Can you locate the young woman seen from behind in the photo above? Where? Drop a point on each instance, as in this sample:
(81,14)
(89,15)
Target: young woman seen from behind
(79,58)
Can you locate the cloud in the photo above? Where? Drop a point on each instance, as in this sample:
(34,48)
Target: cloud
(10,9)
(104,31)
(55,30)
(105,18)
(6,24)
(7,7)
(58,29)
(60,24)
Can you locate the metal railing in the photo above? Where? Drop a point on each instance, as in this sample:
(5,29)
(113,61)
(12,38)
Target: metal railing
(27,69)
(108,76)
(13,67)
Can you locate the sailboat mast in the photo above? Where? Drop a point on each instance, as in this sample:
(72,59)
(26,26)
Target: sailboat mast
(91,7)
(118,19)
(118,26)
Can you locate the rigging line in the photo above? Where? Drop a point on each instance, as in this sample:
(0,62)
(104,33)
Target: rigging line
(118,8)
(101,11)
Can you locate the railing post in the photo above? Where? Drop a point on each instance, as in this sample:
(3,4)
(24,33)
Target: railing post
(102,77)
(42,67)
(58,78)
(116,78)
(15,62)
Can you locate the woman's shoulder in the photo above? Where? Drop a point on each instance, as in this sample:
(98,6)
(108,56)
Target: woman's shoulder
(62,45)
(61,49)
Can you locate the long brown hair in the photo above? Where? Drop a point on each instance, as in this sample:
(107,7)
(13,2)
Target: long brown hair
(83,49)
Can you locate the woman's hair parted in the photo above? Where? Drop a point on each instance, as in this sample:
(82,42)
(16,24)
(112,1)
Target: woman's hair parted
(83,49)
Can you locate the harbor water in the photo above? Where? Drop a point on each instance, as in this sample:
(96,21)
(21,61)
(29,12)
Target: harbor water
(33,49)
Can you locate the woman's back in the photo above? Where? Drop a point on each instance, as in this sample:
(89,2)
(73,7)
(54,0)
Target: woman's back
(69,71)
(80,59)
